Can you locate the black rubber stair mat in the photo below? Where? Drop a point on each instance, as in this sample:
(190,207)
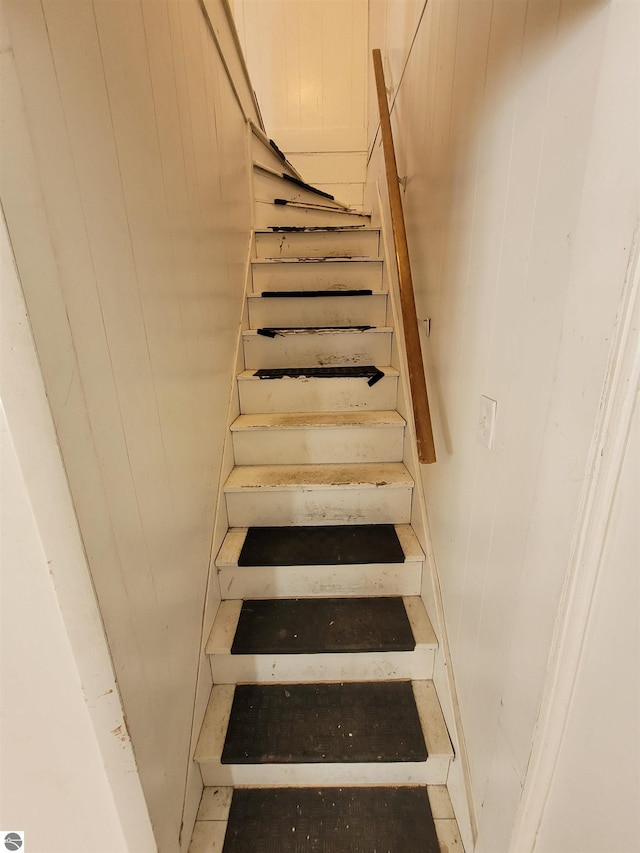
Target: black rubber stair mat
(308,187)
(298,229)
(357,371)
(311,294)
(275,331)
(369,721)
(321,545)
(316,625)
(331,820)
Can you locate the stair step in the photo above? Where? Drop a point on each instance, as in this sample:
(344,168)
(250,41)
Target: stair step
(274,565)
(318,734)
(355,493)
(340,820)
(262,149)
(309,625)
(317,308)
(349,544)
(320,392)
(267,185)
(305,437)
(316,347)
(316,639)
(361,241)
(268,213)
(316,274)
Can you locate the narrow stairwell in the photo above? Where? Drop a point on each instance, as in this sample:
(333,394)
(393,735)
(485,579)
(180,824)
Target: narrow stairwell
(323,731)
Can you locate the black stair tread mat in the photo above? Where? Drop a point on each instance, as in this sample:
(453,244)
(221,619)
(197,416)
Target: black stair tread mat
(357,371)
(321,545)
(296,229)
(311,329)
(316,625)
(282,294)
(331,820)
(324,723)
(305,186)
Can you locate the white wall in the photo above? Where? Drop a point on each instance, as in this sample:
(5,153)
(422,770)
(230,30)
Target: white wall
(309,64)
(517,126)
(69,778)
(593,801)
(124,180)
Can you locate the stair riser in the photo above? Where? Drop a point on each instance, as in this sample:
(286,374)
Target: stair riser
(274,507)
(320,444)
(304,581)
(432,772)
(339,244)
(317,349)
(267,215)
(314,275)
(366,666)
(318,311)
(316,395)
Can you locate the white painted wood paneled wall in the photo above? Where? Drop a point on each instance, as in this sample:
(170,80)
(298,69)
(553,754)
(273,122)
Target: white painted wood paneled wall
(57,680)
(517,125)
(309,64)
(125,183)
(605,707)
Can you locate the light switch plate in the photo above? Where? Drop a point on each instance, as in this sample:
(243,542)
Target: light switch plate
(487,421)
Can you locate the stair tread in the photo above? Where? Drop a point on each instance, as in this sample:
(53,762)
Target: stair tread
(314,229)
(225,628)
(351,722)
(234,541)
(320,373)
(351,544)
(356,293)
(326,259)
(326,420)
(216,722)
(336,820)
(319,476)
(320,330)
(317,625)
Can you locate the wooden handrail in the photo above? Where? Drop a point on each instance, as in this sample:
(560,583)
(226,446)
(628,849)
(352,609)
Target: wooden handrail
(421,413)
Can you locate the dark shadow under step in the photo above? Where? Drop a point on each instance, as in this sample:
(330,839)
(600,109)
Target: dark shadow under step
(324,723)
(331,820)
(322,545)
(316,625)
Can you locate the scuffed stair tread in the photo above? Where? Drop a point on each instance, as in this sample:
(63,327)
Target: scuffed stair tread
(322,476)
(321,330)
(326,420)
(327,259)
(331,820)
(324,723)
(317,625)
(318,374)
(350,544)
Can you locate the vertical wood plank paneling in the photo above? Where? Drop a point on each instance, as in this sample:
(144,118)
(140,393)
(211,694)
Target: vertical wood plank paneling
(139,181)
(494,207)
(309,62)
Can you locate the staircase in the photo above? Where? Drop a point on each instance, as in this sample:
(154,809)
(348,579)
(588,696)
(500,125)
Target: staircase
(323,731)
